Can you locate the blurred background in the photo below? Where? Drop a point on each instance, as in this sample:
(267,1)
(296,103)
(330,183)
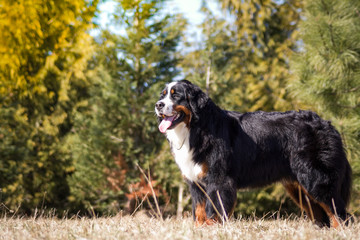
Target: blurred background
(79,80)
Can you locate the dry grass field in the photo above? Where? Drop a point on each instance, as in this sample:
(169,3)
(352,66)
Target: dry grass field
(142,227)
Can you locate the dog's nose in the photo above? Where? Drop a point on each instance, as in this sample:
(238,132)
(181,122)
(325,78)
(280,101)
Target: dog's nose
(159,105)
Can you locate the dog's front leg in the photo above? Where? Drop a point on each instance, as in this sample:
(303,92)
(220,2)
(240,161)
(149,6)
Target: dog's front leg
(223,199)
(199,200)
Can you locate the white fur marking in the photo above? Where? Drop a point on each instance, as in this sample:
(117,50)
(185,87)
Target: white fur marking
(168,108)
(179,140)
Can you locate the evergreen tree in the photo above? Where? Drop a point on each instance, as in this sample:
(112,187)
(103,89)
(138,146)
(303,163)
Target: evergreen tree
(327,70)
(119,128)
(44,47)
(208,65)
(266,35)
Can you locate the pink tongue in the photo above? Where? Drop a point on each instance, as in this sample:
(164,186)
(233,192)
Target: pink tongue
(166,123)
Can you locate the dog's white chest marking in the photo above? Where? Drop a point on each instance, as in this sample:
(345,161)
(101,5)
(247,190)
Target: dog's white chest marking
(179,140)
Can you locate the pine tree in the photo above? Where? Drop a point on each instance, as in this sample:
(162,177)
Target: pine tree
(119,128)
(327,70)
(44,47)
(208,65)
(266,34)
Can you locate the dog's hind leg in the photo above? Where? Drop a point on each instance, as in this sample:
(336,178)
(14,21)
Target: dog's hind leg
(305,202)
(324,188)
(330,203)
(334,210)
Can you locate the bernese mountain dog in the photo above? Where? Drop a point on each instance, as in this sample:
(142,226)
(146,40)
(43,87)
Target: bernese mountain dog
(220,151)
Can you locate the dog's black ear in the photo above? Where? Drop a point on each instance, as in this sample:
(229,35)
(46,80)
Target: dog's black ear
(196,98)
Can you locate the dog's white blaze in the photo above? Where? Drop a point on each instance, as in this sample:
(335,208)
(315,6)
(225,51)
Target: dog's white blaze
(179,140)
(168,108)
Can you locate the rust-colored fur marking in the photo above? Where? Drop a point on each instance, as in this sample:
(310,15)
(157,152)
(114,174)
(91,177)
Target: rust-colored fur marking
(201,218)
(204,170)
(187,112)
(314,209)
(200,214)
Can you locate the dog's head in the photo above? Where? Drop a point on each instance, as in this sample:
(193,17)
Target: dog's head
(179,102)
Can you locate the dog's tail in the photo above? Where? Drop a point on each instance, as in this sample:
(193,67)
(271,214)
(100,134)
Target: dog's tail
(346,185)
(346,192)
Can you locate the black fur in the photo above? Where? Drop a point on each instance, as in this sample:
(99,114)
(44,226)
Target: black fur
(243,150)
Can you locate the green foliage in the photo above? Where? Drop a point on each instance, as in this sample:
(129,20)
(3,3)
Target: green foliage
(245,56)
(266,201)
(265,36)
(209,64)
(118,129)
(327,70)
(44,49)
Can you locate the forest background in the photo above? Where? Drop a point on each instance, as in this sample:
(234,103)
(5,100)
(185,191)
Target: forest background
(77,124)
